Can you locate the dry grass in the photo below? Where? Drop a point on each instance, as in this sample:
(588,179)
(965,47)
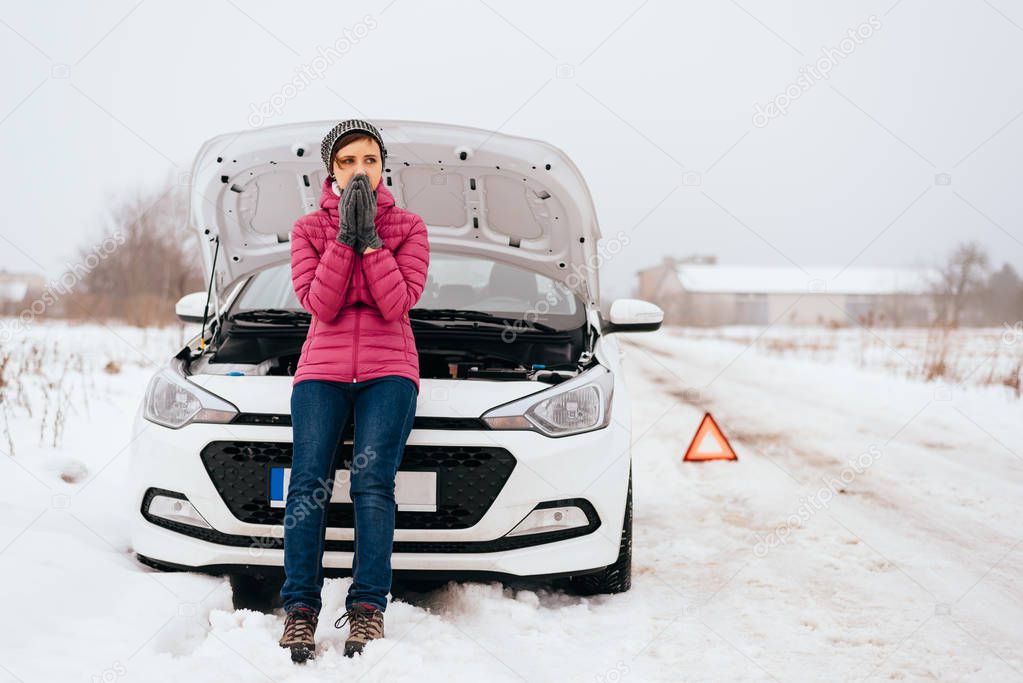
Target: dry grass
(936,355)
(948,354)
(29,385)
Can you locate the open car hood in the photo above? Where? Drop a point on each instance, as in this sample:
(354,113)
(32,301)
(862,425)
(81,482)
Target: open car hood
(508,198)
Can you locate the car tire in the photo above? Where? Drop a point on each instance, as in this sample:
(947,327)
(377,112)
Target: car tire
(255,592)
(617,577)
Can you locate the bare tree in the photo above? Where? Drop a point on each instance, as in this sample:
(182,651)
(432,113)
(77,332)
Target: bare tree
(1003,300)
(144,260)
(959,281)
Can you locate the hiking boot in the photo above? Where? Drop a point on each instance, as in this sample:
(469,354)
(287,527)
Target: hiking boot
(299,627)
(365,622)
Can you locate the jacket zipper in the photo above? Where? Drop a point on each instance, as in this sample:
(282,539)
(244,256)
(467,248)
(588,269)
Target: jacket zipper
(355,348)
(355,355)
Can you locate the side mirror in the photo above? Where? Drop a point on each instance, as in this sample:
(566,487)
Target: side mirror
(190,308)
(633,315)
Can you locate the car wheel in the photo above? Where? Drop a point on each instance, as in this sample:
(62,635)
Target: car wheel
(617,577)
(255,592)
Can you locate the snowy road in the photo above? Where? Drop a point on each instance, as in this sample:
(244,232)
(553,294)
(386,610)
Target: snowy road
(911,570)
(869,530)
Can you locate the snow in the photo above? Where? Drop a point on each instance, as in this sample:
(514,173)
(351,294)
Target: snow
(868,530)
(953,357)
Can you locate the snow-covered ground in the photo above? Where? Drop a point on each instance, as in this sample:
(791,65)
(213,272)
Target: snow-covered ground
(992,356)
(986,356)
(869,530)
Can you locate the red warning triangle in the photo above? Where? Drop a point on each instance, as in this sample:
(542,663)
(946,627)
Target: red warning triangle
(709,443)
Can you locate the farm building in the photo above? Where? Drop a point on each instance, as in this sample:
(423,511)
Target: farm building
(16,289)
(707,293)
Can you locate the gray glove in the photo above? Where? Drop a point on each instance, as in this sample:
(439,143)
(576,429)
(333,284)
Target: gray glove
(365,200)
(347,232)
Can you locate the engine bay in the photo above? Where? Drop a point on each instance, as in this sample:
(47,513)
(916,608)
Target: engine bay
(444,353)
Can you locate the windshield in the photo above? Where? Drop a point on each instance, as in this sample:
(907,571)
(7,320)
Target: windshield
(454,282)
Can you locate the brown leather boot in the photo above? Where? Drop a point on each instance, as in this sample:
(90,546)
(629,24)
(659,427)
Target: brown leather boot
(299,628)
(365,622)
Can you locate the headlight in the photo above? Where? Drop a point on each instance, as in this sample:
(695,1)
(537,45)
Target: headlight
(578,405)
(173,401)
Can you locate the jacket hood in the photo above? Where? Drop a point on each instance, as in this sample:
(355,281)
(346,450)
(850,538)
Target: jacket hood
(329,200)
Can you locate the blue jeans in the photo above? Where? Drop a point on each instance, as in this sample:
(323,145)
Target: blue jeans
(385,409)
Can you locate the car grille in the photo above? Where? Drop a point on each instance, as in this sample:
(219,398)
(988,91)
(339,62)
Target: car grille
(469,478)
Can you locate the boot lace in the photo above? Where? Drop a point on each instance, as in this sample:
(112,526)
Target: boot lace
(299,627)
(361,621)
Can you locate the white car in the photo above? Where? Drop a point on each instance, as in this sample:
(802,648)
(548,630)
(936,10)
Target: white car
(519,462)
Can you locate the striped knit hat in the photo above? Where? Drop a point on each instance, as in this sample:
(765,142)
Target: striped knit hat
(333,138)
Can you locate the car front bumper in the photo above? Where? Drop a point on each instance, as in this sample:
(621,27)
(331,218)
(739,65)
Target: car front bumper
(591,469)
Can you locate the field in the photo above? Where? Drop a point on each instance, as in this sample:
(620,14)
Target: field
(868,531)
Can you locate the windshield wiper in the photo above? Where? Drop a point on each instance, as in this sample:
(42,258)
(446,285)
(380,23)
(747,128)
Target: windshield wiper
(475,316)
(272,316)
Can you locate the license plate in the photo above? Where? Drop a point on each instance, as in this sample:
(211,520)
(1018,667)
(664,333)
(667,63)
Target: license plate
(414,491)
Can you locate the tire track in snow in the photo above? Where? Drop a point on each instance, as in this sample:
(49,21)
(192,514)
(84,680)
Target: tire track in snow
(976,543)
(966,532)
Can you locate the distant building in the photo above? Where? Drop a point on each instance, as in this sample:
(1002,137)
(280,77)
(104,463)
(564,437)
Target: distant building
(17,288)
(705,293)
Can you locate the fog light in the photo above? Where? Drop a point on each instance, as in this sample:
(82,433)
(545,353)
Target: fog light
(177,510)
(550,519)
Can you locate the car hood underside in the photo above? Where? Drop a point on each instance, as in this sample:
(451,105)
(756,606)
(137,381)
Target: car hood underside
(511,199)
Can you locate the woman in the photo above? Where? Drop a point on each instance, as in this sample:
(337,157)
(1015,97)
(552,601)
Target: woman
(358,265)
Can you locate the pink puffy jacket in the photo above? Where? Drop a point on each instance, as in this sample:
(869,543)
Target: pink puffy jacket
(359,303)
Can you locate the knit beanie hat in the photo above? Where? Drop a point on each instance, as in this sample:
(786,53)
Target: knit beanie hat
(335,137)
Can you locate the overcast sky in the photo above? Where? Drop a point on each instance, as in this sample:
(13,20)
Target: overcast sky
(901,135)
